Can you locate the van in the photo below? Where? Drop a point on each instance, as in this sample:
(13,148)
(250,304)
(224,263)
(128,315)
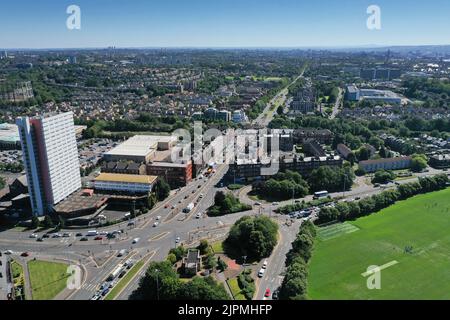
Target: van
(92,233)
(261,272)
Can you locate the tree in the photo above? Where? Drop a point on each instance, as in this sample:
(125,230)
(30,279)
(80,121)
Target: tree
(221,265)
(203,246)
(151,201)
(172,258)
(48,222)
(162,189)
(383,176)
(34,222)
(254,237)
(418,162)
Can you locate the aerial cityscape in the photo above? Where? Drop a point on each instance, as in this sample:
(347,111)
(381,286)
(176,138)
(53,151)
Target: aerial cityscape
(222,165)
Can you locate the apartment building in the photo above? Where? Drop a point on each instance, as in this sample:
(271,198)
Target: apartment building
(397,163)
(50,156)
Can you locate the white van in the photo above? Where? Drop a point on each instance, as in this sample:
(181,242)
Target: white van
(261,272)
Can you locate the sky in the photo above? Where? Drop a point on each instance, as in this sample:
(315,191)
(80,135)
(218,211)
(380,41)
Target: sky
(222,23)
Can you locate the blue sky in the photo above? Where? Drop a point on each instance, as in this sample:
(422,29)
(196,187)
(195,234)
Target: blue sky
(222,23)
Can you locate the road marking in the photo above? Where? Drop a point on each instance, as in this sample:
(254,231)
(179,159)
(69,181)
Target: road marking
(159,236)
(384,266)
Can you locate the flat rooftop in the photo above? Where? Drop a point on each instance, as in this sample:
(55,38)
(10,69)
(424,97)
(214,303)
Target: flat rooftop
(129,178)
(140,145)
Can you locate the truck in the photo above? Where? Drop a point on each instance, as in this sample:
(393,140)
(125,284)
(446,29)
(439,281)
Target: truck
(189,208)
(118,270)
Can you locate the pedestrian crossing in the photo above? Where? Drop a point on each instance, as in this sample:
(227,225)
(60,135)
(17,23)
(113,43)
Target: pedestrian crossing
(89,287)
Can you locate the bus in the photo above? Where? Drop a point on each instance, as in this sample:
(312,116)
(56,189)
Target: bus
(320,194)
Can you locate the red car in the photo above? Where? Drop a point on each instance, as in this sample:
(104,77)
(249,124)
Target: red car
(267,294)
(98,238)
(166,206)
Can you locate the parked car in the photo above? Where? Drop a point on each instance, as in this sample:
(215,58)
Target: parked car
(46,236)
(136,240)
(177,240)
(267,294)
(33,236)
(84,239)
(98,238)
(79,234)
(24,254)
(265,264)
(155,224)
(8,252)
(67,235)
(158,218)
(39,240)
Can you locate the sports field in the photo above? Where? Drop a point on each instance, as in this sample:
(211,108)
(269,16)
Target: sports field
(410,241)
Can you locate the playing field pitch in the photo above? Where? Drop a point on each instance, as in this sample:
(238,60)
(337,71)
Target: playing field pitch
(410,240)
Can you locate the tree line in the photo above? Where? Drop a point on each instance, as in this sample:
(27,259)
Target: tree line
(351,210)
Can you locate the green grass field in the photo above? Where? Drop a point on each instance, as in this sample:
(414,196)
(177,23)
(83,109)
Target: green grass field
(47,278)
(415,233)
(235,290)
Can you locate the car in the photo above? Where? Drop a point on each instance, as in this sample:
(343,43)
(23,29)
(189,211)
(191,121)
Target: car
(261,272)
(275,204)
(131,224)
(155,224)
(186,197)
(275,294)
(103,233)
(265,264)
(39,240)
(79,234)
(193,191)
(84,239)
(257,203)
(198,215)
(8,252)
(98,238)
(136,240)
(24,254)
(166,206)
(33,236)
(267,294)
(96,297)
(198,187)
(46,236)
(177,240)
(67,235)
(158,218)
(201,195)
(105,292)
(122,253)
(56,235)
(180,201)
(173,207)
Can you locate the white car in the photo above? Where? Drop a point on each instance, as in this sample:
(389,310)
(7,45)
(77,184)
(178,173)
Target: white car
(261,272)
(155,224)
(8,252)
(177,240)
(33,236)
(136,240)
(198,215)
(275,204)
(158,218)
(265,264)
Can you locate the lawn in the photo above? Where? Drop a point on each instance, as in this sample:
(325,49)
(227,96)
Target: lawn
(124,281)
(47,278)
(414,234)
(217,247)
(235,290)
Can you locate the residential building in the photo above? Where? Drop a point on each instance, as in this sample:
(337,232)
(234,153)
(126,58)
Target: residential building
(440,161)
(50,156)
(344,151)
(386,164)
(313,148)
